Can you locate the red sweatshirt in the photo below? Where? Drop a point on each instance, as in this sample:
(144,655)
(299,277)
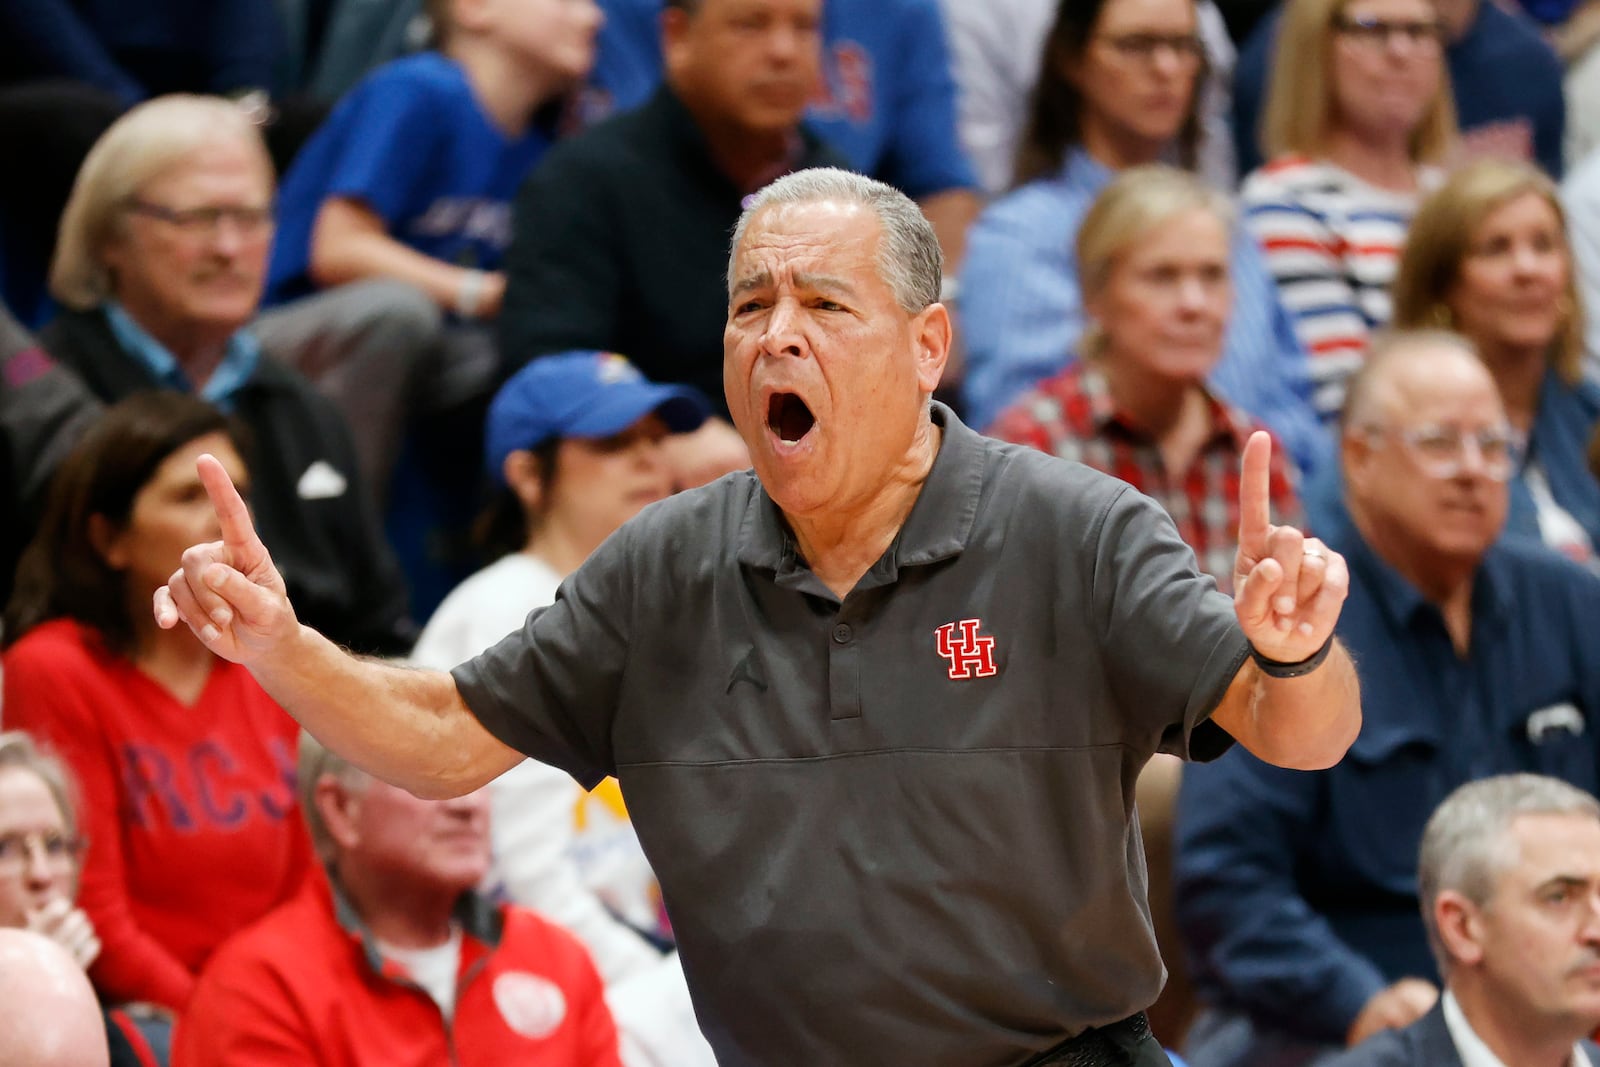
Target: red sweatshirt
(305,987)
(189,812)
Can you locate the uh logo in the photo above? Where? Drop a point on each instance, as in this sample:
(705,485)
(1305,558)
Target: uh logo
(970,654)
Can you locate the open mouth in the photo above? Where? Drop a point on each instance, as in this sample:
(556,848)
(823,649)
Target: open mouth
(788,417)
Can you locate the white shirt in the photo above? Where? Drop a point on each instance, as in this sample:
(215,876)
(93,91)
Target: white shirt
(1470,1047)
(434,969)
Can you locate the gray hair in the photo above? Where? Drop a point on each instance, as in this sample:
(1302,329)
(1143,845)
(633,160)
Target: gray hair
(315,762)
(1467,841)
(1388,348)
(137,148)
(909,259)
(17,749)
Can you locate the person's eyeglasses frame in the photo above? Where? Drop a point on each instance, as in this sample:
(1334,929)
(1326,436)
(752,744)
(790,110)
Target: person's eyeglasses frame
(1510,444)
(1142,47)
(1379,34)
(17,850)
(206,220)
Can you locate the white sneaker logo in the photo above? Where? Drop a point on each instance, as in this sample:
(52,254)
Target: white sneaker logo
(321,482)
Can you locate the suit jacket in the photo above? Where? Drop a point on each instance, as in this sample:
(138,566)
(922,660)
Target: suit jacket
(1425,1043)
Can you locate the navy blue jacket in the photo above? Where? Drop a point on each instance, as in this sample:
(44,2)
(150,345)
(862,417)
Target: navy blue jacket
(1296,890)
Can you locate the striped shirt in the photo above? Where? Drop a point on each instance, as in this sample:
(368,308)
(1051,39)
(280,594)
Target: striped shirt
(1332,242)
(1072,415)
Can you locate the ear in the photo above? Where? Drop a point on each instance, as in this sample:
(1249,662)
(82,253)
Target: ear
(1355,457)
(523,475)
(110,542)
(932,333)
(1460,927)
(338,805)
(675,23)
(469,14)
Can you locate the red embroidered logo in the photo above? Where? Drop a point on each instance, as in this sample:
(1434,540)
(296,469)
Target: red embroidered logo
(970,655)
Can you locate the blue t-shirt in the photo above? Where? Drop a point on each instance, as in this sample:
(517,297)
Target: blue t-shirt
(888,105)
(413,144)
(1505,78)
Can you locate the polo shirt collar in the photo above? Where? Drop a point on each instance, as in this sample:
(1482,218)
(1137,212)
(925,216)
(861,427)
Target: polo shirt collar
(939,526)
(238,365)
(682,128)
(1492,598)
(478,918)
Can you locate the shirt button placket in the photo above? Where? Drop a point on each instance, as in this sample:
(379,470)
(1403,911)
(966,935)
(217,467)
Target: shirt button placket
(844,673)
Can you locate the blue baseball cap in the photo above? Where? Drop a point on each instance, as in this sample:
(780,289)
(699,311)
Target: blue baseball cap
(580,394)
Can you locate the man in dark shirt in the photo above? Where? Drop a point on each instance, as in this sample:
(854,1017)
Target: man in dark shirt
(620,235)
(878,706)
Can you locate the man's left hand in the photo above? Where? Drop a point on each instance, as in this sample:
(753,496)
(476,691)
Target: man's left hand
(1287,587)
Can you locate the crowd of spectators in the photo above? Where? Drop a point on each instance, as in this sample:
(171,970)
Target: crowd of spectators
(442,285)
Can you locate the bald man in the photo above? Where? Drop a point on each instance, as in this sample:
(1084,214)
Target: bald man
(1297,892)
(48,1013)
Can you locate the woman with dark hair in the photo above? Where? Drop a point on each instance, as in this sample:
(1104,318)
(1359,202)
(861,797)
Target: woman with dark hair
(1116,89)
(185,764)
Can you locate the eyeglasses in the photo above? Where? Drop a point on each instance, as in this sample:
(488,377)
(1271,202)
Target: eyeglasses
(16,849)
(1443,451)
(1144,47)
(1376,33)
(206,221)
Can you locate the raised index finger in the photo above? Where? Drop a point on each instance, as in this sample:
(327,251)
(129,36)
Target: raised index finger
(1255,494)
(238,532)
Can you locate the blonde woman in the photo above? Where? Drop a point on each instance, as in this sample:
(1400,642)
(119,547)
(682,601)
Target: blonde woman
(1488,257)
(1357,122)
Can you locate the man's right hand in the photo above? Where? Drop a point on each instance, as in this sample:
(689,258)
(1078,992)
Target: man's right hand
(228,592)
(1393,1008)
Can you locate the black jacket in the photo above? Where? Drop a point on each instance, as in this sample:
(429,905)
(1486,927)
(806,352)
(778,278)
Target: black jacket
(620,243)
(342,576)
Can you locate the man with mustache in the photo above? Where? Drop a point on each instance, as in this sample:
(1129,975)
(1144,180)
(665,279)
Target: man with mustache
(1297,893)
(620,234)
(1510,879)
(878,706)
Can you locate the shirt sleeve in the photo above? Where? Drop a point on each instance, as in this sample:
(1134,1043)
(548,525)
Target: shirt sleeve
(1253,936)
(551,689)
(993,80)
(386,129)
(1021,312)
(1171,641)
(925,155)
(563,268)
(42,699)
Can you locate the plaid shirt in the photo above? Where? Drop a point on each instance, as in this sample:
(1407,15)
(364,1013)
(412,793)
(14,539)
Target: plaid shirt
(1073,416)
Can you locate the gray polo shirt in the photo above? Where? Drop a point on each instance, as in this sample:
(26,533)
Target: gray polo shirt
(900,828)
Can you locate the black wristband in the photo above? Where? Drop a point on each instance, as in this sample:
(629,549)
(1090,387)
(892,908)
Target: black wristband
(1275,668)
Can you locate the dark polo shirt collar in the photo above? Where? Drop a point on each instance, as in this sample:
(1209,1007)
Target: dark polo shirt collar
(938,527)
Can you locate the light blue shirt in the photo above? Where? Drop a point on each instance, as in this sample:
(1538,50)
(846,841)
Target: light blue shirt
(1022,312)
(237,367)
